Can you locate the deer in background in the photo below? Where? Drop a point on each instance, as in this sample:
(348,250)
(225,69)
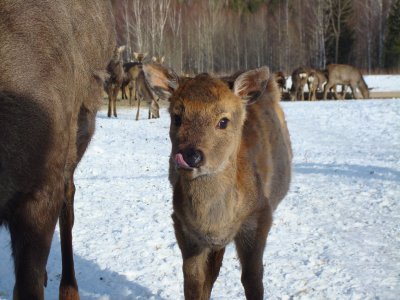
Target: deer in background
(346,75)
(144,92)
(114,81)
(280,80)
(49,97)
(158,59)
(315,81)
(131,71)
(299,79)
(230,166)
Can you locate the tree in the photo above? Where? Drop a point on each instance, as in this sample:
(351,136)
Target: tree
(339,34)
(392,43)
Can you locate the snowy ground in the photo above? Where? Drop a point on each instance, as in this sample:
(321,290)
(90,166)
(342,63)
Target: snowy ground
(335,236)
(383,83)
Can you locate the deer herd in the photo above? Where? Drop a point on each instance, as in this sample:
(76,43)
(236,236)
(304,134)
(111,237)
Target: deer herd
(230,160)
(130,75)
(320,83)
(324,81)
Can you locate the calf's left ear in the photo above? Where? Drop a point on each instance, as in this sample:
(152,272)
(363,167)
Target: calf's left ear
(251,85)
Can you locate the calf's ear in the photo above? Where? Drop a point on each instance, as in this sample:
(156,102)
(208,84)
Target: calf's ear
(251,85)
(163,81)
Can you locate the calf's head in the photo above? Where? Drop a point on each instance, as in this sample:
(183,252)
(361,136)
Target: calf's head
(206,116)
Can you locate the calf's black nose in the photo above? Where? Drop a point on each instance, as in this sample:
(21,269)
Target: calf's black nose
(193,157)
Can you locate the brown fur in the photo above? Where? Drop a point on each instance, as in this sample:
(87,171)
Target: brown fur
(139,56)
(322,79)
(158,59)
(114,81)
(313,83)
(280,80)
(54,55)
(131,72)
(346,75)
(143,91)
(243,172)
(299,80)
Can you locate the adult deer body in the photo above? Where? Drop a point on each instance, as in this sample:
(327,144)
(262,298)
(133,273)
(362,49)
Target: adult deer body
(230,166)
(54,55)
(346,75)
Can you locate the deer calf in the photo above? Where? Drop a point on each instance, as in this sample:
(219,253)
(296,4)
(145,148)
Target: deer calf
(230,166)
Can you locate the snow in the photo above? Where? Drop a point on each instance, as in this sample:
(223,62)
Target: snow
(335,236)
(383,83)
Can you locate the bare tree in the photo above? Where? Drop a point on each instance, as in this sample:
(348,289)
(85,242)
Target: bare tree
(338,14)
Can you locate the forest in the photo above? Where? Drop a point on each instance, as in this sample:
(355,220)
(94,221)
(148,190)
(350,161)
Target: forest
(222,36)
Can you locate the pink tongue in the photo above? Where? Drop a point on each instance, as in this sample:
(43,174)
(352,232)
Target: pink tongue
(181,162)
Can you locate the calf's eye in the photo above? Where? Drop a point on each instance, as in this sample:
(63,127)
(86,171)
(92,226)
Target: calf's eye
(223,123)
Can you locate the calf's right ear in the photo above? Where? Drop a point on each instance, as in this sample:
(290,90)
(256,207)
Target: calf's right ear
(162,81)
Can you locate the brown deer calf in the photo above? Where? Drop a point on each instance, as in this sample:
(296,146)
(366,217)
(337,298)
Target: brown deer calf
(230,166)
(54,55)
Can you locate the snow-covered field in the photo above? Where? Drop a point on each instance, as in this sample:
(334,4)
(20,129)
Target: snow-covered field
(383,83)
(335,236)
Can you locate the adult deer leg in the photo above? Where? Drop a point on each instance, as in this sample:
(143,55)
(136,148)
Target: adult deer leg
(68,285)
(313,93)
(138,109)
(135,90)
(31,240)
(115,95)
(130,95)
(327,88)
(353,88)
(150,113)
(302,93)
(109,104)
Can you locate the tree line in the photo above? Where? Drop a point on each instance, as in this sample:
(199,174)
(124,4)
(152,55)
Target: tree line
(222,36)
